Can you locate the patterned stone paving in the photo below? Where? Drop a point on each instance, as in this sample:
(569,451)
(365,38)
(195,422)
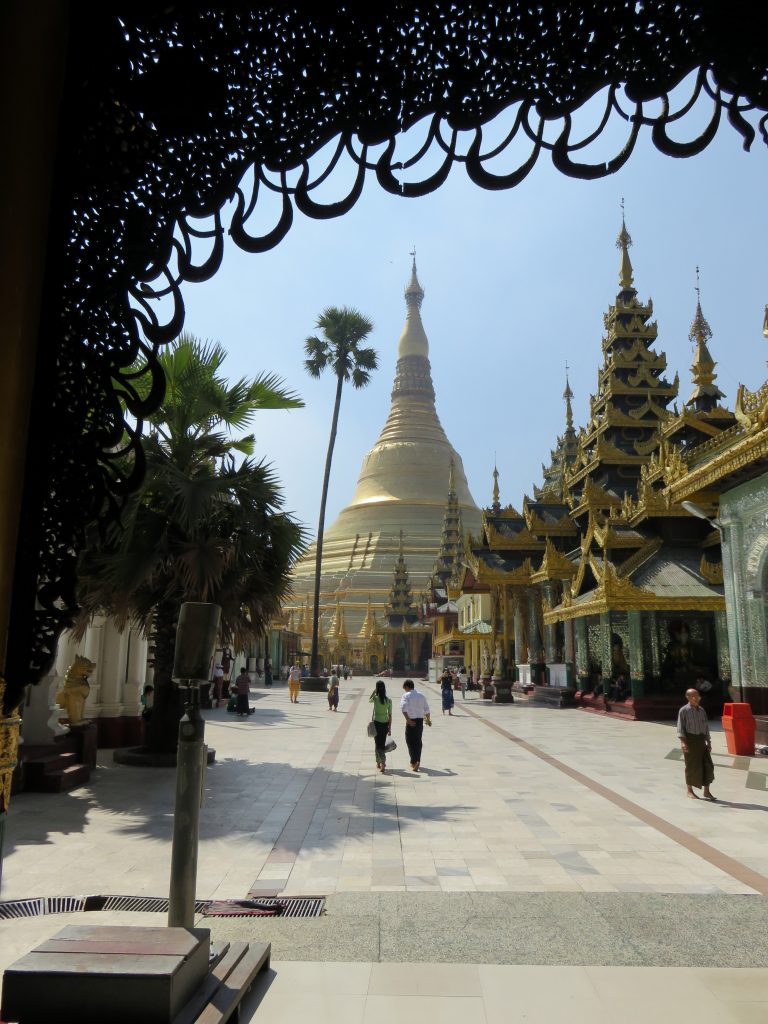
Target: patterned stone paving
(523,802)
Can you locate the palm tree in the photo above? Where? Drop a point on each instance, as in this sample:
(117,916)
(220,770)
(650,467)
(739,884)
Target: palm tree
(339,347)
(201,527)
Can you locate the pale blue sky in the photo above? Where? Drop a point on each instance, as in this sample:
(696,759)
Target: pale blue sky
(516,284)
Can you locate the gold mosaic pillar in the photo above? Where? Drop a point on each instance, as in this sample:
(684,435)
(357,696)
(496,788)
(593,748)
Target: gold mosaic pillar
(9,748)
(636,653)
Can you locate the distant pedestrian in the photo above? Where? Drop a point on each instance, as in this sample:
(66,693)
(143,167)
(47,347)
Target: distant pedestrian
(695,742)
(463,682)
(470,679)
(382,720)
(333,693)
(446,691)
(414,706)
(294,683)
(243,687)
(267,672)
(345,672)
(218,681)
(226,662)
(147,700)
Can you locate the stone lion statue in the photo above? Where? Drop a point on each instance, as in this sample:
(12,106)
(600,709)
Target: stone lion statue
(75,689)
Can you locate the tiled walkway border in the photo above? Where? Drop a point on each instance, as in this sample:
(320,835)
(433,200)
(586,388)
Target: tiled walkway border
(720,860)
(291,839)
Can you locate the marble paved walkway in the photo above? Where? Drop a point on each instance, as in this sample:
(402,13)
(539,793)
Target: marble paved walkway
(548,813)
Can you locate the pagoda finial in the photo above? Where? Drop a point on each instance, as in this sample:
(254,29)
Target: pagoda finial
(496,504)
(401,550)
(414,293)
(451,477)
(700,330)
(568,395)
(623,242)
(705,393)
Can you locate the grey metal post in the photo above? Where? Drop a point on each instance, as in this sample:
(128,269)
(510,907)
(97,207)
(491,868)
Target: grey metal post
(190,765)
(195,641)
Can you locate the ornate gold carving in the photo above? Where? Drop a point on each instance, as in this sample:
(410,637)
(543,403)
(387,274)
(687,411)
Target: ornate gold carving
(751,408)
(634,561)
(648,446)
(649,407)
(9,746)
(711,571)
(522,539)
(607,451)
(75,689)
(554,566)
(615,593)
(579,579)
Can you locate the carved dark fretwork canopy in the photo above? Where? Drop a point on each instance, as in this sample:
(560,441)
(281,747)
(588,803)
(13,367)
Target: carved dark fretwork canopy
(182,123)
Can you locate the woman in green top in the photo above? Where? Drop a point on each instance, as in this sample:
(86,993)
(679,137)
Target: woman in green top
(382,719)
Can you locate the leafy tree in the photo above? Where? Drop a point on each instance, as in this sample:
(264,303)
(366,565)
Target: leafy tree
(201,527)
(344,331)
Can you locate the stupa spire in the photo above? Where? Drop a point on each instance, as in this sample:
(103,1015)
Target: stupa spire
(705,393)
(410,458)
(495,503)
(413,340)
(623,242)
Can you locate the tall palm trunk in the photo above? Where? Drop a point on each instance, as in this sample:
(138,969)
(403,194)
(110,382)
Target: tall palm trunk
(313,666)
(167,706)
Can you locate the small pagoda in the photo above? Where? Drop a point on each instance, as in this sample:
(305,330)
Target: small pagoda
(407,639)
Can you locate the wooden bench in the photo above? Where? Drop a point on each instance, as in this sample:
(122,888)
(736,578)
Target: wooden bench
(232,975)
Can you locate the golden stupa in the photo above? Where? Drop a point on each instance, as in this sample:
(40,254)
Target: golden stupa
(403,486)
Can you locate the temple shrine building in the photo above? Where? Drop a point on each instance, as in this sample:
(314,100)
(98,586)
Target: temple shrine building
(604,589)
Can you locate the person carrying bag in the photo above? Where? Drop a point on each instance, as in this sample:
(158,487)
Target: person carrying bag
(381,721)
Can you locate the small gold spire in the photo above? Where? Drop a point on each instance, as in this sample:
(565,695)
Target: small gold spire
(451,478)
(496,505)
(700,330)
(568,395)
(703,366)
(623,242)
(414,293)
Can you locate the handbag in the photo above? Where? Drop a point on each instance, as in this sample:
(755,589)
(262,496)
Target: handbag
(371,728)
(390,746)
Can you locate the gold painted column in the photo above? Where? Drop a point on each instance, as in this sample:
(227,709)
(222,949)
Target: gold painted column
(519,635)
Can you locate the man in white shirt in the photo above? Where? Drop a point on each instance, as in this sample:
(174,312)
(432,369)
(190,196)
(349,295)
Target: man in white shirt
(416,711)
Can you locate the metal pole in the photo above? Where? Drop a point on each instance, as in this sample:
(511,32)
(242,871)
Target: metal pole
(190,766)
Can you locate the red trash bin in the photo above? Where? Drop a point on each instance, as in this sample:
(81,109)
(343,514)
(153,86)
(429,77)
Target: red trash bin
(739,724)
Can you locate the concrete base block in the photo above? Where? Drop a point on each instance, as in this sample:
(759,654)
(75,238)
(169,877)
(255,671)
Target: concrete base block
(92,974)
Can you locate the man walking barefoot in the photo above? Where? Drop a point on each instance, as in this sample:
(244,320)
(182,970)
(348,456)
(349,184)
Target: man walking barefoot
(414,706)
(695,742)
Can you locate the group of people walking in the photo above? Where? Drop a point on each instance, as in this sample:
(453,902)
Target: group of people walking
(692,724)
(415,709)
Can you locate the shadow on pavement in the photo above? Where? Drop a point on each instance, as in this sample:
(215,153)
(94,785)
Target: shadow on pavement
(242,798)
